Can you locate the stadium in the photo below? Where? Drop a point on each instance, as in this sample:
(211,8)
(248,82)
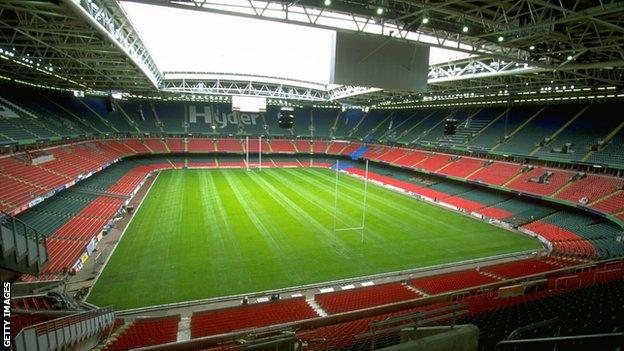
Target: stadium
(312,175)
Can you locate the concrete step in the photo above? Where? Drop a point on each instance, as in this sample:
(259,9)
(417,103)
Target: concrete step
(416,290)
(184,329)
(316,307)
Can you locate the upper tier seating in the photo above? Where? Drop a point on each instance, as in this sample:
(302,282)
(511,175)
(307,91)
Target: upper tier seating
(507,123)
(582,133)
(525,140)
(244,317)
(612,153)
(355,299)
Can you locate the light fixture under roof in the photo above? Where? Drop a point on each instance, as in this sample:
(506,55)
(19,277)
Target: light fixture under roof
(532,47)
(425,20)
(465,29)
(380,10)
(500,38)
(327,2)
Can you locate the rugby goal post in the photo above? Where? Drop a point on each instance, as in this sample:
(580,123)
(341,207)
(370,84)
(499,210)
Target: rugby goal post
(259,153)
(362,227)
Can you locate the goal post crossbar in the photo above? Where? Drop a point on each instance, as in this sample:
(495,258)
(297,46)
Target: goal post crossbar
(346,229)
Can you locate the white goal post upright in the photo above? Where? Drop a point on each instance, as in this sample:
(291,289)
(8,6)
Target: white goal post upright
(260,153)
(336,198)
(362,227)
(365,197)
(247,153)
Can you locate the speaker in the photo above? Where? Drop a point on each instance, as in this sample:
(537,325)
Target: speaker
(286,117)
(450,124)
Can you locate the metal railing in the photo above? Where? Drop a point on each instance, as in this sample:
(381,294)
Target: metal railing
(557,342)
(24,240)
(59,333)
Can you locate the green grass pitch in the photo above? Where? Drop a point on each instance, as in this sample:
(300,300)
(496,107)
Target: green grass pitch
(207,233)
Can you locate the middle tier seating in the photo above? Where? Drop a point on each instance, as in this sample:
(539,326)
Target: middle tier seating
(528,181)
(286,146)
(498,173)
(462,167)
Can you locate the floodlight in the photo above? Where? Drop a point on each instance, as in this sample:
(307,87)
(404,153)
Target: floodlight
(380,10)
(532,47)
(327,2)
(465,29)
(500,38)
(425,20)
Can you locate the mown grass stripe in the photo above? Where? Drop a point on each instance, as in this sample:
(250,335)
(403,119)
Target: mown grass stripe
(206,233)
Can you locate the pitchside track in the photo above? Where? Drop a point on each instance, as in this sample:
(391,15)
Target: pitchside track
(208,233)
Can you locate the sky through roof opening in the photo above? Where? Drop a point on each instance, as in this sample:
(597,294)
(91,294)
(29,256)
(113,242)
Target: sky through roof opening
(193,41)
(181,40)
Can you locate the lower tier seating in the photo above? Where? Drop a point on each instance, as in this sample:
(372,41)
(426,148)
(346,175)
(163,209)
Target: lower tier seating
(593,291)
